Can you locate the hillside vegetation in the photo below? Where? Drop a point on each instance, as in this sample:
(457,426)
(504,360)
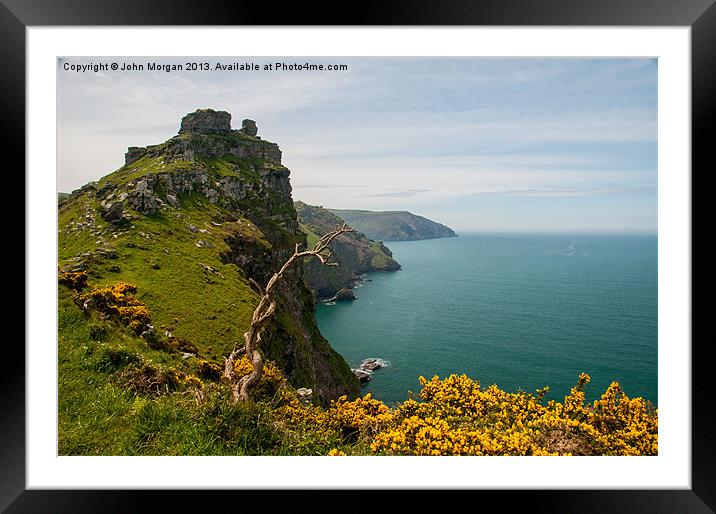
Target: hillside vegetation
(393,225)
(354,253)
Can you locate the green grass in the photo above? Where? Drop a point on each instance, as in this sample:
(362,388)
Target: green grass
(98,415)
(147,165)
(311,237)
(159,255)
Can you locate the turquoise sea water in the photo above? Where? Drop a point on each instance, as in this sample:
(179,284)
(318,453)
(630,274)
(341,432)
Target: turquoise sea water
(520,311)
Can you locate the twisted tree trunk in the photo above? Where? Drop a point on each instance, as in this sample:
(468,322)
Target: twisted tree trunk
(241,387)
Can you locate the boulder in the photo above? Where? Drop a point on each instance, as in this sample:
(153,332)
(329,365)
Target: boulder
(362,376)
(114,212)
(371,364)
(172,200)
(305,395)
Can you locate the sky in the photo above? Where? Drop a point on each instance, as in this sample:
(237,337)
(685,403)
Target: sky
(479,144)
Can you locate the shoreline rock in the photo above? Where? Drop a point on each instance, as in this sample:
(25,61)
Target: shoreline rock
(362,376)
(342,295)
(367,367)
(371,364)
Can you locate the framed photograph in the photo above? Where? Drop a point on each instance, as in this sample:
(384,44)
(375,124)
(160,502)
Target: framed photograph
(438,248)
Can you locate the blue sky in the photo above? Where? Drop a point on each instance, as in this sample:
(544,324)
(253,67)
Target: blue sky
(478,144)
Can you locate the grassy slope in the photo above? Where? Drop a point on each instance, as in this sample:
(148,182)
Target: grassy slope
(98,415)
(210,310)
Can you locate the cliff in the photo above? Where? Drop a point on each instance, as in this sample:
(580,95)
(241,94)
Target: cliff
(394,225)
(354,252)
(189,222)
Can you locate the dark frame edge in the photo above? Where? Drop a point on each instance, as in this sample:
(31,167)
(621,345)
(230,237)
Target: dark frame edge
(703,134)
(12,379)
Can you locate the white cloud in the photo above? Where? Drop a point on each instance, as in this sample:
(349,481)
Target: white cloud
(394,132)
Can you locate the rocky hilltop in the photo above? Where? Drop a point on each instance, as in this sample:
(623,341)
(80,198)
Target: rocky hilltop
(190,222)
(354,252)
(394,225)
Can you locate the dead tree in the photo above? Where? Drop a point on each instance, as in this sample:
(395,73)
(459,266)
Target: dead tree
(241,386)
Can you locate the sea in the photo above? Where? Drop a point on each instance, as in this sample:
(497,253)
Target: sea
(520,311)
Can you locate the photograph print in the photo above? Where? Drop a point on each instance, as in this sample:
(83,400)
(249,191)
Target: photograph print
(357,256)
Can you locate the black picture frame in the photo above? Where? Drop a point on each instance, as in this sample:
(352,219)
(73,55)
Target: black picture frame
(699,15)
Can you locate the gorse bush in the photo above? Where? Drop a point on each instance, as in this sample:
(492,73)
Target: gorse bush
(209,370)
(117,302)
(76,280)
(457,417)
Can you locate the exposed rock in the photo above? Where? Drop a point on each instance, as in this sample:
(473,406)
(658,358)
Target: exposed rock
(105,190)
(172,200)
(367,367)
(107,253)
(148,332)
(212,195)
(305,395)
(206,121)
(134,153)
(371,364)
(114,212)
(249,127)
(142,199)
(362,376)
(211,270)
(344,294)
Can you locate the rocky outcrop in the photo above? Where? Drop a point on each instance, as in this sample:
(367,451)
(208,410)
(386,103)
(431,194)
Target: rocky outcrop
(197,139)
(155,191)
(134,153)
(249,128)
(206,121)
(354,253)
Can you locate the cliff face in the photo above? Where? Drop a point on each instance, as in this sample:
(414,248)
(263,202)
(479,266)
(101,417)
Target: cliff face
(354,253)
(394,225)
(190,221)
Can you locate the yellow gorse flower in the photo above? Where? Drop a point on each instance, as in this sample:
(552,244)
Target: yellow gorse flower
(455,416)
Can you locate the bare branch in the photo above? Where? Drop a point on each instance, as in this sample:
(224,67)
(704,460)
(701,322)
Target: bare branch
(256,285)
(241,387)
